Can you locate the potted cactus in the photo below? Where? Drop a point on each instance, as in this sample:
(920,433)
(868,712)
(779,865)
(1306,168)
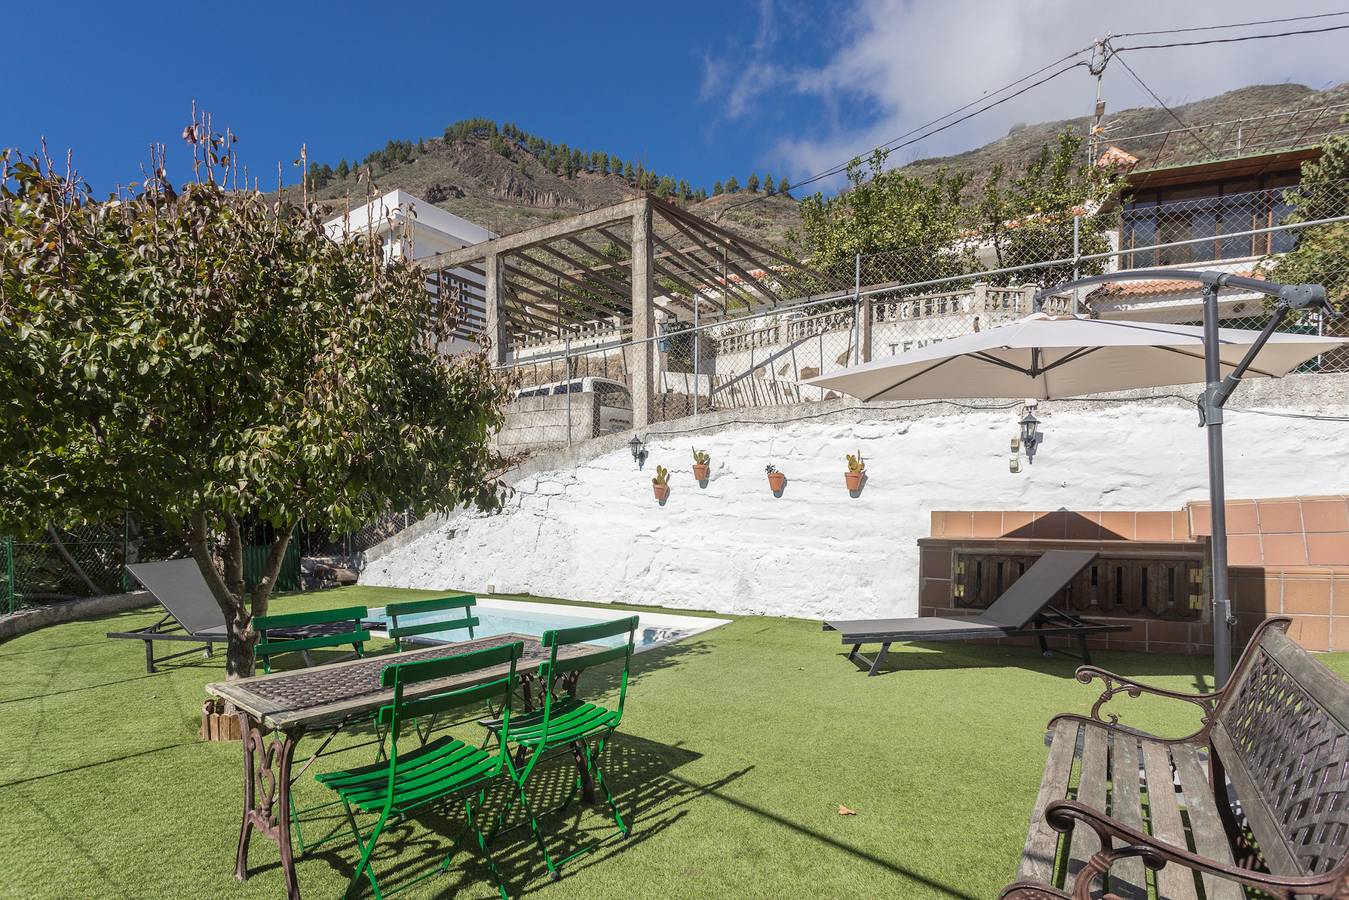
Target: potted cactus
(776,480)
(856,467)
(702,468)
(661,483)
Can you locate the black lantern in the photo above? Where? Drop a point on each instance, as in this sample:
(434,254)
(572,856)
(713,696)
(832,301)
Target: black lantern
(638,451)
(1030,438)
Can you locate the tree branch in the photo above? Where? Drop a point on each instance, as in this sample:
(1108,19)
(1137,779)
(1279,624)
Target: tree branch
(198,534)
(263,589)
(234,556)
(70,561)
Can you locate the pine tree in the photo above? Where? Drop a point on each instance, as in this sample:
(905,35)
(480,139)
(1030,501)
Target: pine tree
(604,164)
(628,172)
(616,163)
(343,169)
(716,189)
(732,185)
(785,187)
(770,186)
(752,183)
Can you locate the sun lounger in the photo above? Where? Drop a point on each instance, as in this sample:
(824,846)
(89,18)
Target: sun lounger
(192,614)
(1023,610)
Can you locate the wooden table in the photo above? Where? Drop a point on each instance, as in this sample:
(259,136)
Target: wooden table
(289,704)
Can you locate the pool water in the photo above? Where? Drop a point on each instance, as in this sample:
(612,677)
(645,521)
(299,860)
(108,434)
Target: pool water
(493,619)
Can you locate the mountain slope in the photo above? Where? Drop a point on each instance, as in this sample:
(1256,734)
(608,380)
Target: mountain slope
(505,185)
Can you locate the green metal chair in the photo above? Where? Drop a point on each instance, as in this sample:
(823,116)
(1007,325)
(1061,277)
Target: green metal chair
(568,721)
(407,783)
(450,604)
(310,630)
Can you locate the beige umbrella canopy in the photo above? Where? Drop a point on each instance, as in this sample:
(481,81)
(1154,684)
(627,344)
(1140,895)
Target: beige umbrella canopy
(1044,357)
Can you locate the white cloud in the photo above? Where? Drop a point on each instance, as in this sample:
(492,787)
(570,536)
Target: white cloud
(897,64)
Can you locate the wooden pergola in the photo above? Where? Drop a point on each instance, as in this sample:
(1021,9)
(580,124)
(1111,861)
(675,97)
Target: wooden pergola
(618,264)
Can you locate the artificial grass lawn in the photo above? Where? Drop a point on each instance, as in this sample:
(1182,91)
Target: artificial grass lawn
(737,749)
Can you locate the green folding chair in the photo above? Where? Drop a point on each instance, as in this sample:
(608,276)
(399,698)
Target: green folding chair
(310,630)
(567,721)
(407,783)
(450,605)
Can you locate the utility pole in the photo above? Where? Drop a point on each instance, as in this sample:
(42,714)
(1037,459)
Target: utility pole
(1100,56)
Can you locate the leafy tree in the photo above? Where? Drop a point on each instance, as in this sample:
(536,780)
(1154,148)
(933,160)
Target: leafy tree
(785,186)
(1322,252)
(752,183)
(769,185)
(1030,219)
(919,221)
(222,362)
(732,185)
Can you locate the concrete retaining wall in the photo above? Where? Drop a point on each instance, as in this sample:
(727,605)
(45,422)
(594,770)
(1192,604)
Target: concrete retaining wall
(33,618)
(583,523)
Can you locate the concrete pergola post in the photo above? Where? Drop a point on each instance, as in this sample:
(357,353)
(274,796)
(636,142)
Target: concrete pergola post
(643,319)
(495,301)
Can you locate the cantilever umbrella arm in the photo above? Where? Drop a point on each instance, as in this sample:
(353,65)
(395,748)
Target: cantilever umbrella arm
(1216,393)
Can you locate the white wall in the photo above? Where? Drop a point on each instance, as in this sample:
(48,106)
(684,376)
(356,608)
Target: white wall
(592,530)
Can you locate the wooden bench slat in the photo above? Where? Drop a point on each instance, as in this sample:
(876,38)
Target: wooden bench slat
(1128,877)
(1173,881)
(1090,791)
(1037,860)
(1210,838)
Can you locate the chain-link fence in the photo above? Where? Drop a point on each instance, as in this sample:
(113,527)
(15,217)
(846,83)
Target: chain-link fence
(579,387)
(67,564)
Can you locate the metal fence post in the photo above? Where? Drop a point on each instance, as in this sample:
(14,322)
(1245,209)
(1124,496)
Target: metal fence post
(697,385)
(126,547)
(857,309)
(566,369)
(1077,254)
(9,574)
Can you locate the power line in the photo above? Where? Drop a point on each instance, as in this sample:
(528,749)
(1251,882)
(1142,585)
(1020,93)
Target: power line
(1233,25)
(1232,40)
(898,143)
(1170,111)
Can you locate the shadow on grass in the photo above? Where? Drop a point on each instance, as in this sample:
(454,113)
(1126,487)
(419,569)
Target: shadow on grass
(649,797)
(958,655)
(94,765)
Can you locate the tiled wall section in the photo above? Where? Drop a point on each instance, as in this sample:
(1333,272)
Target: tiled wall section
(1289,556)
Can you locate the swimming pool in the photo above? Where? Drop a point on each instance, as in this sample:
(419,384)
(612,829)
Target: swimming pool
(497,616)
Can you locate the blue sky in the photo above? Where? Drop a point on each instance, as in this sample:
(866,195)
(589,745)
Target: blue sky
(700,90)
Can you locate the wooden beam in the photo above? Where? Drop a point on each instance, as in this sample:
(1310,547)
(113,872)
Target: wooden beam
(675,212)
(692,269)
(741,294)
(690,231)
(571,279)
(542,233)
(588,303)
(621,288)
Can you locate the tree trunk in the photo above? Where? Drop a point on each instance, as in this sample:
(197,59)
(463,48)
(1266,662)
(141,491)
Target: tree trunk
(228,586)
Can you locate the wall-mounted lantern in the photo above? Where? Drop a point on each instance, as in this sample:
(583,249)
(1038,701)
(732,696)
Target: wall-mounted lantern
(1030,438)
(638,450)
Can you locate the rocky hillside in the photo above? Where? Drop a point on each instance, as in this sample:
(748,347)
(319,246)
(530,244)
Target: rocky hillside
(1023,141)
(507,180)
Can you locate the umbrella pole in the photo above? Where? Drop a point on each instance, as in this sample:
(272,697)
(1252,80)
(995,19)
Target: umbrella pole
(1211,407)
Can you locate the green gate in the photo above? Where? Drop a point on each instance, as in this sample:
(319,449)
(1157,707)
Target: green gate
(255,560)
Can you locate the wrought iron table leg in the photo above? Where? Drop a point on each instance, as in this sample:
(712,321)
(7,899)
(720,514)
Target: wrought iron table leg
(583,773)
(267,796)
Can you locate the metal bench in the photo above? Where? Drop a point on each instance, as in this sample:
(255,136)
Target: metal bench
(1257,796)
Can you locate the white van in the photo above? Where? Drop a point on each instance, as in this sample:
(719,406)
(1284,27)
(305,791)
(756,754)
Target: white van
(613,400)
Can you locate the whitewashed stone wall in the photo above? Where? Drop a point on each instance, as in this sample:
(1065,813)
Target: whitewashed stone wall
(589,528)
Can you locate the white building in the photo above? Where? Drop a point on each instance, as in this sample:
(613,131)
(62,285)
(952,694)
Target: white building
(412,228)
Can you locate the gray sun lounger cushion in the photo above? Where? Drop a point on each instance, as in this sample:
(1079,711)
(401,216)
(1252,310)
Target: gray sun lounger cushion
(178,586)
(1023,609)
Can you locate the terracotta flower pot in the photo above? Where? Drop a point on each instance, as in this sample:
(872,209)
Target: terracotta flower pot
(662,491)
(701,472)
(777,481)
(853,480)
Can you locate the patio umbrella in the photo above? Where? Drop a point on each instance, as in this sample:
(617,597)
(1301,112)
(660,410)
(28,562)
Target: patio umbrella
(1045,357)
